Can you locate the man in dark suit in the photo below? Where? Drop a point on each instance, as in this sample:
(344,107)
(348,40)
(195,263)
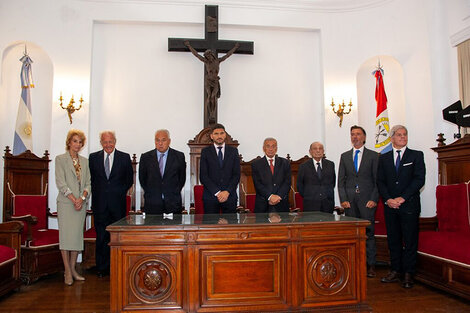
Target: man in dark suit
(219,173)
(316,181)
(401,175)
(162,175)
(357,186)
(272,180)
(111,177)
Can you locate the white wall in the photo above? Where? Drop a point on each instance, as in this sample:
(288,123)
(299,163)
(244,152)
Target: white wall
(79,36)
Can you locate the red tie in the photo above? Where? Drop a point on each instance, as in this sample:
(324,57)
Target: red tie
(271,166)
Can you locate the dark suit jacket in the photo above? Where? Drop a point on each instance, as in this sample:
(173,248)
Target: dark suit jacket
(366,178)
(214,178)
(169,185)
(110,193)
(407,182)
(314,189)
(267,184)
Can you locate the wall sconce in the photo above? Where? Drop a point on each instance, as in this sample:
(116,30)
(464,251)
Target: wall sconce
(340,112)
(70,107)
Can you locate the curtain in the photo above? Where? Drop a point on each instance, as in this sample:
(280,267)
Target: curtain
(463,54)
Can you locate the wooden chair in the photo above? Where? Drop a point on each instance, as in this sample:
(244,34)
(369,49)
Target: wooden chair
(10,256)
(25,199)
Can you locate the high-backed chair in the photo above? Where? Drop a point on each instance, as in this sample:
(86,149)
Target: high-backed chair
(25,199)
(10,256)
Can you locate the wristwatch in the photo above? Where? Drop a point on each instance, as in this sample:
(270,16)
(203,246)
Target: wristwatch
(83,198)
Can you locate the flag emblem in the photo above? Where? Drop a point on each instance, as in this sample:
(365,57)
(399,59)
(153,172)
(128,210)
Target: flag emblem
(382,125)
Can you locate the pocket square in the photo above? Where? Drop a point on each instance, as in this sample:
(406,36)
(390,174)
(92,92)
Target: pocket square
(168,216)
(406,164)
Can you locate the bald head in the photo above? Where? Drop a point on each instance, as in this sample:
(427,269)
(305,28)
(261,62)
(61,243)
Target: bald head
(317,151)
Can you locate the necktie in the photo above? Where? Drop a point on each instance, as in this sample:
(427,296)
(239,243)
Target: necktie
(220,156)
(271,166)
(356,159)
(319,170)
(160,163)
(107,170)
(397,162)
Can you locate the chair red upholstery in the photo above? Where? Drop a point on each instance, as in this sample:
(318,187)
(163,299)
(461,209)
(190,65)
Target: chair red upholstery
(444,255)
(452,240)
(452,208)
(7,254)
(35,234)
(250,202)
(40,245)
(10,251)
(198,204)
(380,228)
(451,246)
(298,201)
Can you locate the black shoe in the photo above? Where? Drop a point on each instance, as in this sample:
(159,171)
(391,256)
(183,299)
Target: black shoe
(371,271)
(102,274)
(408,281)
(391,277)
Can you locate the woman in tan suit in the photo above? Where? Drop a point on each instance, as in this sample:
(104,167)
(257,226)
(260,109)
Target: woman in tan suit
(72,176)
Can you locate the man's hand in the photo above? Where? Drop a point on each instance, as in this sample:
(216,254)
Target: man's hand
(345,205)
(223,196)
(392,203)
(371,204)
(186,43)
(274,199)
(400,200)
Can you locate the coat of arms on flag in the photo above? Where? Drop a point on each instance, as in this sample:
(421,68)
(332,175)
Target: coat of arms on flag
(382,126)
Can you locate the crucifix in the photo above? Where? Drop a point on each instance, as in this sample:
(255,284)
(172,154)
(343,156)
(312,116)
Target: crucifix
(211,46)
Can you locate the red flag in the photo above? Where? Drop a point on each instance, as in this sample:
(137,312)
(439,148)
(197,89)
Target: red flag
(380,95)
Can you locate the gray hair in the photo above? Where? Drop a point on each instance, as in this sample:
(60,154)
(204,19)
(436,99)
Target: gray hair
(108,132)
(269,139)
(396,128)
(163,131)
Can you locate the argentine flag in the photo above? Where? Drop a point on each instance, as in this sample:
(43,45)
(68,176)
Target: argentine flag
(382,126)
(24,132)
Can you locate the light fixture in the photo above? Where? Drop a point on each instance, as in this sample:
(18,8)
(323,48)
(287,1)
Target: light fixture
(71,106)
(340,111)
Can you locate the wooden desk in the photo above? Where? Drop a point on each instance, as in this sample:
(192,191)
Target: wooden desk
(306,263)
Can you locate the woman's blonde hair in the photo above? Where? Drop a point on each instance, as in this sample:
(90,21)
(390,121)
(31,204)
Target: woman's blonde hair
(70,134)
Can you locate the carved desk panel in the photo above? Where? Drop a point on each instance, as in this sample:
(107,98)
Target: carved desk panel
(306,263)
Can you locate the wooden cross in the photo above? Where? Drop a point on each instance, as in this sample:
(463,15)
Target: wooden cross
(211,42)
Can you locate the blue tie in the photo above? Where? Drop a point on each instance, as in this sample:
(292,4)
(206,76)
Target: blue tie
(107,168)
(319,170)
(220,156)
(356,159)
(397,162)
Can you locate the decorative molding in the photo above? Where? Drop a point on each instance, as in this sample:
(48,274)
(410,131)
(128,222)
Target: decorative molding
(152,279)
(322,6)
(328,273)
(460,36)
